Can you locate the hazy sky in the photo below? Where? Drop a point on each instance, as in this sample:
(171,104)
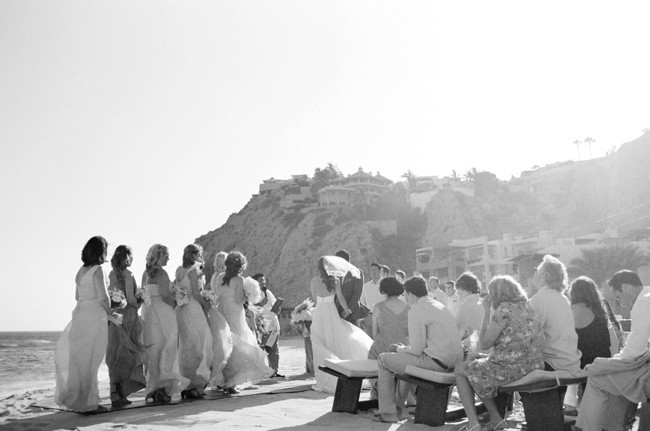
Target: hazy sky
(152,121)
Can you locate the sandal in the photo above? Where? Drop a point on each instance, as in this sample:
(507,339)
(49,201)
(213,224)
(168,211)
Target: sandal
(191,394)
(501,425)
(476,427)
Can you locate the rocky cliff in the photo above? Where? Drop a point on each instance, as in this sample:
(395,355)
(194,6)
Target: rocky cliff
(284,238)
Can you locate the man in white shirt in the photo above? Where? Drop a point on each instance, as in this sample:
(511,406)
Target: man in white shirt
(628,289)
(469,316)
(434,344)
(454,300)
(371,296)
(435,292)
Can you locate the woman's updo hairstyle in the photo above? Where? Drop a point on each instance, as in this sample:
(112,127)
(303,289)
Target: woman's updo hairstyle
(154,256)
(235,265)
(94,252)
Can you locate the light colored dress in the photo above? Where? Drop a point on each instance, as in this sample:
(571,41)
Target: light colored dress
(81,348)
(195,338)
(247,362)
(222,339)
(334,338)
(160,334)
(392,328)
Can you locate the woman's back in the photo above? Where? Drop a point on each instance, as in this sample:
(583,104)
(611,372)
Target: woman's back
(593,335)
(521,340)
(86,289)
(392,327)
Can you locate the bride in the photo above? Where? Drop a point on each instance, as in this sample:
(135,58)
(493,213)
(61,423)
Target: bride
(331,336)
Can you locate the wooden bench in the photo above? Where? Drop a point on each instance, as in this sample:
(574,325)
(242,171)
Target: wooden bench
(542,398)
(432,394)
(350,375)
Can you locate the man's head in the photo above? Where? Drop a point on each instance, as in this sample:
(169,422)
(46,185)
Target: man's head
(626,286)
(450,289)
(400,276)
(385,271)
(434,283)
(375,271)
(261,280)
(414,289)
(467,284)
(343,254)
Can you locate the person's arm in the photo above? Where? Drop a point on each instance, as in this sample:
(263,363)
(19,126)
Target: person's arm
(101,284)
(357,288)
(637,341)
(417,335)
(490,331)
(165,287)
(130,286)
(363,298)
(341,298)
(613,340)
(375,327)
(312,289)
(194,287)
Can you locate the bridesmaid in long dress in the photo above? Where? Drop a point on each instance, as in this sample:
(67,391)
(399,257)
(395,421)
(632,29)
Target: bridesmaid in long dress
(247,363)
(160,331)
(222,342)
(195,339)
(82,345)
(125,356)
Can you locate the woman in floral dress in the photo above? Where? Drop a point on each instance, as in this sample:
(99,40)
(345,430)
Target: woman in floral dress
(515,335)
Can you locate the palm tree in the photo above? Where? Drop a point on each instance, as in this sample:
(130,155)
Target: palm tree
(454,175)
(411,179)
(601,263)
(589,141)
(577,143)
(470,174)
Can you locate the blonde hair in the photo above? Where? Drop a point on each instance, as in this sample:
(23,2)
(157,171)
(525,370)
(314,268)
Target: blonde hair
(219,262)
(154,256)
(552,273)
(504,288)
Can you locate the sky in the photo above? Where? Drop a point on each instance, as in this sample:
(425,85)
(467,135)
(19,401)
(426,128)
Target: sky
(153,121)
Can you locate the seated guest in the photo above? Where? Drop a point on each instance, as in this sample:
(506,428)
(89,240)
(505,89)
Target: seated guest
(454,300)
(469,316)
(630,375)
(595,333)
(554,312)
(435,292)
(515,335)
(433,345)
(400,276)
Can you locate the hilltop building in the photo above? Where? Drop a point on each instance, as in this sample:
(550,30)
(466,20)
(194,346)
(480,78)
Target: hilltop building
(342,191)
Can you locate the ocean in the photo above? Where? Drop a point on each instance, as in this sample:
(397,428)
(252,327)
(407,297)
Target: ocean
(27,362)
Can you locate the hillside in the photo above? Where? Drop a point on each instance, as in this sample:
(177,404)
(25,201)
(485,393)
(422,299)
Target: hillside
(283,236)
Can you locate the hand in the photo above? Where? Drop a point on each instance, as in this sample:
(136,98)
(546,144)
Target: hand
(393,347)
(346,313)
(487,303)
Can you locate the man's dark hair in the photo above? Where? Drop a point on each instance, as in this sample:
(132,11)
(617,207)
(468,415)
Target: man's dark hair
(376,264)
(624,276)
(416,286)
(390,286)
(343,254)
(468,282)
(386,269)
(257,276)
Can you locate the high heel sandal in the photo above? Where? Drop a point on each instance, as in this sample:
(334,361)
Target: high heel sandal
(191,394)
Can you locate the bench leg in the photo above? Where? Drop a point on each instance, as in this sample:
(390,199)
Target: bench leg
(346,396)
(543,410)
(431,405)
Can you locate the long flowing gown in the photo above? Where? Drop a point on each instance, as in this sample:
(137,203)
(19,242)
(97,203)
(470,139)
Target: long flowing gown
(222,340)
(160,333)
(81,348)
(195,339)
(125,355)
(334,338)
(247,362)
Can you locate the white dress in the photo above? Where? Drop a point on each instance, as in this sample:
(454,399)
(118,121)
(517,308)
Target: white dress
(81,348)
(334,338)
(160,334)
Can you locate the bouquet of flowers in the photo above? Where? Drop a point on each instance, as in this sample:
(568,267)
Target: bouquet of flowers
(180,294)
(142,296)
(200,275)
(252,290)
(303,312)
(118,300)
(262,323)
(210,296)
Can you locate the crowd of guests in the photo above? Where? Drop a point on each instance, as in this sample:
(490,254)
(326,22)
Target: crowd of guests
(494,336)
(189,334)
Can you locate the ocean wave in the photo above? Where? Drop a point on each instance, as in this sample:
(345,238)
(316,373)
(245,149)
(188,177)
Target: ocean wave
(39,341)
(7,345)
